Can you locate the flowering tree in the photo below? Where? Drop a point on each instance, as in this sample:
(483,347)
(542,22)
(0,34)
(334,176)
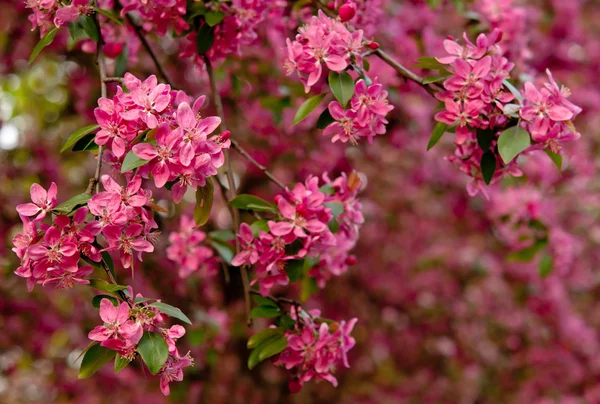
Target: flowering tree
(263,137)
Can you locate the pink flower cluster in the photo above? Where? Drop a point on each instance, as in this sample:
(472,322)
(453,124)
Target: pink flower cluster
(238,29)
(124,217)
(364,118)
(158,15)
(183,153)
(548,114)
(124,326)
(187,251)
(319,224)
(48,13)
(315,349)
(326,41)
(50,254)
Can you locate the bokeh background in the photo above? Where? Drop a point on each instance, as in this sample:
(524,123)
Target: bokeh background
(455,296)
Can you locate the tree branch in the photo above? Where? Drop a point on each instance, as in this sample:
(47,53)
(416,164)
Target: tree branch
(232,187)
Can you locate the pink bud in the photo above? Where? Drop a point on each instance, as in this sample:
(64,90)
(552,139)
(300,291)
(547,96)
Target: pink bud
(331,4)
(373,45)
(347,12)
(225,135)
(351,260)
(294,386)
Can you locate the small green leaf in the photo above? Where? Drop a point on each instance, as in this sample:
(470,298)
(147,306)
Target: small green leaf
(336,208)
(307,107)
(132,162)
(270,346)
(260,337)
(86,143)
(120,363)
(171,311)
(224,249)
(342,87)
(69,205)
(286,322)
(95,357)
(325,119)
(431,63)
(98,298)
(45,41)
(263,301)
(308,287)
(222,235)
(333,225)
(107,259)
(204,39)
(108,14)
(436,135)
(485,137)
(513,141)
(258,226)
(327,189)
(546,265)
(294,269)
(527,254)
(251,202)
(488,166)
(204,201)
(265,312)
(214,17)
(556,158)
(154,351)
(434,79)
(77,135)
(90,27)
(105,286)
(513,90)
(366,64)
(121,61)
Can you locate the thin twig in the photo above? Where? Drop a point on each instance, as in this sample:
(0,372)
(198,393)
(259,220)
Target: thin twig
(400,69)
(142,37)
(114,80)
(244,153)
(232,188)
(277,300)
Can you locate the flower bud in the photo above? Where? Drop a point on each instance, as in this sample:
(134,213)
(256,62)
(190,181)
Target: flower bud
(225,135)
(347,12)
(294,386)
(373,45)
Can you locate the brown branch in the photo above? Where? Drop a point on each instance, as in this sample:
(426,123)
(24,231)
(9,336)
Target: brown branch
(114,80)
(142,37)
(278,300)
(231,182)
(399,68)
(244,153)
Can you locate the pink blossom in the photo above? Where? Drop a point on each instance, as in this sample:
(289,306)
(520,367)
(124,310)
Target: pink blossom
(43,202)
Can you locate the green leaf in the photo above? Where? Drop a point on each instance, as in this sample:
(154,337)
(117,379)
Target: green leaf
(214,17)
(69,205)
(308,287)
(105,286)
(294,269)
(98,298)
(513,141)
(434,79)
(132,162)
(333,225)
(513,90)
(488,166)
(336,208)
(120,363)
(546,265)
(251,202)
(431,63)
(327,189)
(154,351)
(45,41)
(262,336)
(121,62)
(204,39)
(258,226)
(263,301)
(366,64)
(267,348)
(108,14)
(95,357)
(86,143)
(222,235)
(107,259)
(556,158)
(171,311)
(286,322)
(438,131)
(527,254)
(265,312)
(204,201)
(325,119)
(307,107)
(224,249)
(77,135)
(342,86)
(90,27)
(485,137)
